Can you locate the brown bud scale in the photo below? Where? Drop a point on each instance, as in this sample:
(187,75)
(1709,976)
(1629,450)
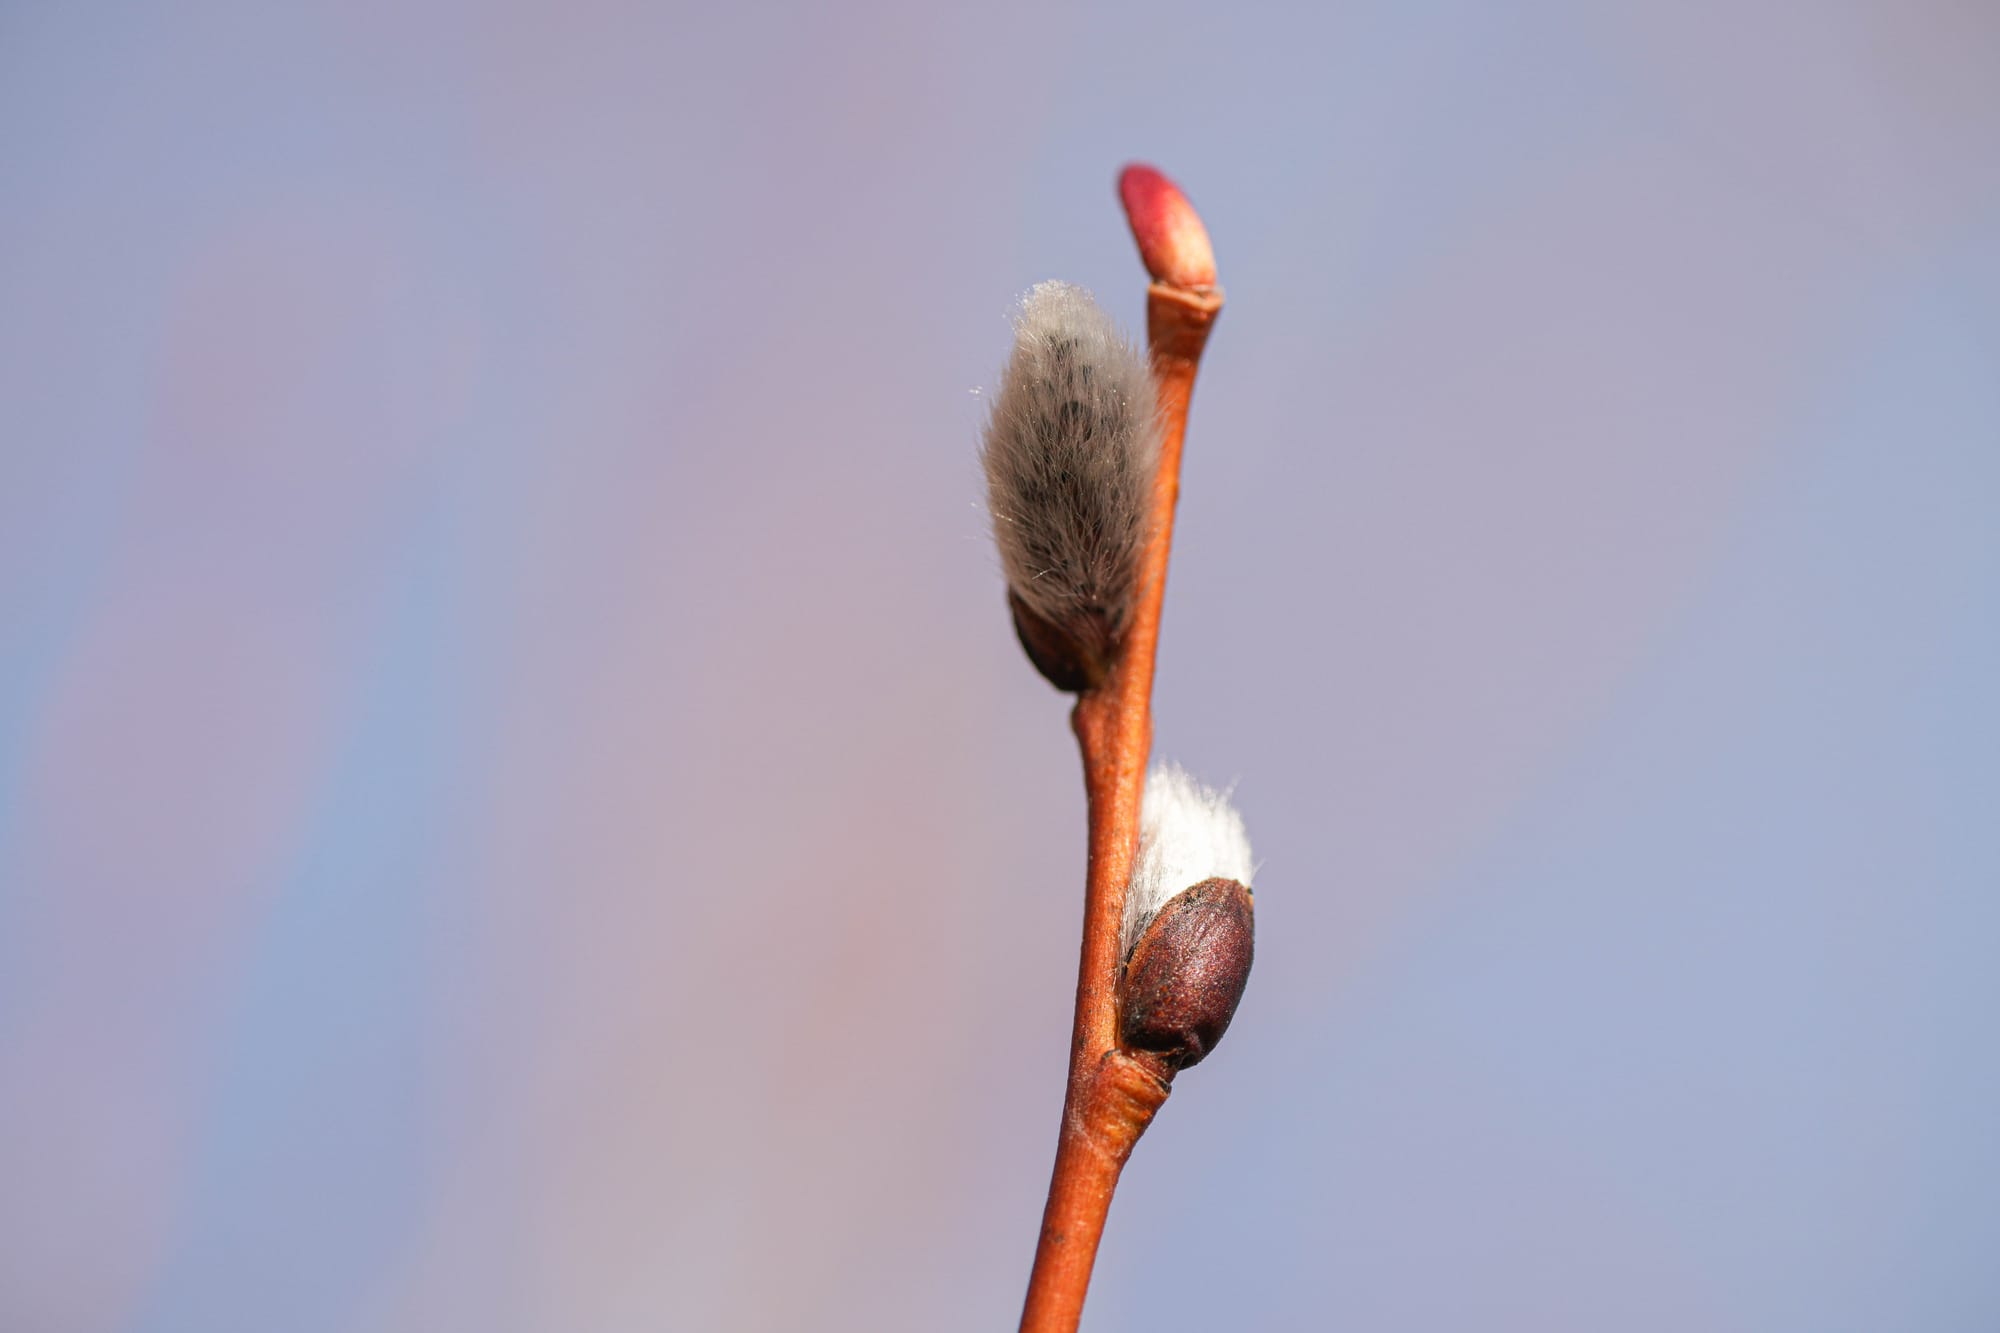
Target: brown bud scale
(1072,657)
(1186,973)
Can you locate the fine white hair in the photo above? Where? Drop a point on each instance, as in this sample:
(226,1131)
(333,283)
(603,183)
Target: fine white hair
(1187,833)
(1070,452)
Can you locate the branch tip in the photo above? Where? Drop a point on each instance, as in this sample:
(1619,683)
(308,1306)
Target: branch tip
(1172,242)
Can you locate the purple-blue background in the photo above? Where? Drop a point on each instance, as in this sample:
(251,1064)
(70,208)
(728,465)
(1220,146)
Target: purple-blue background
(520,810)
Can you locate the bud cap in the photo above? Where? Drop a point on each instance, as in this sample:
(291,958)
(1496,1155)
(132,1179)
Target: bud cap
(1187,972)
(1173,244)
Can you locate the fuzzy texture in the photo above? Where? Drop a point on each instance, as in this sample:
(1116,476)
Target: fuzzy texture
(1070,452)
(1187,833)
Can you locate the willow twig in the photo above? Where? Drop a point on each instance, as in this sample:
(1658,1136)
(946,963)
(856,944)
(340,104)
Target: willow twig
(1113,1094)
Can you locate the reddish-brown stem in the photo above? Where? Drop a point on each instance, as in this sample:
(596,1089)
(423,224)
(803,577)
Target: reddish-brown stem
(1111,1095)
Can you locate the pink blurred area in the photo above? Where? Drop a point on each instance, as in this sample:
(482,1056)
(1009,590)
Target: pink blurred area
(519,807)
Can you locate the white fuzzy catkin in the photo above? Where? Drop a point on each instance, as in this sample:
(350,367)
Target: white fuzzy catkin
(1070,452)
(1187,833)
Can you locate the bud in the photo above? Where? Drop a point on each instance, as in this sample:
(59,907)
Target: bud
(1186,973)
(1070,452)
(1187,950)
(1173,245)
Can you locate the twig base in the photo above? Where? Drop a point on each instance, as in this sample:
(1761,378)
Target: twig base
(1102,1120)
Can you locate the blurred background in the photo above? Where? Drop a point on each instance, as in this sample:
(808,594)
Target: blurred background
(520,808)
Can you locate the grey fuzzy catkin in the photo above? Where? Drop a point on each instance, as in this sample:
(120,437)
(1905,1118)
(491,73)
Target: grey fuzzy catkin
(1070,453)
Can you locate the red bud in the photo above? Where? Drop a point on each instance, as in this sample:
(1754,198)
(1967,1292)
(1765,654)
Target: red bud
(1172,242)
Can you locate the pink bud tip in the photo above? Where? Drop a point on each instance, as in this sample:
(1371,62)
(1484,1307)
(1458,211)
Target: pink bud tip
(1172,242)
